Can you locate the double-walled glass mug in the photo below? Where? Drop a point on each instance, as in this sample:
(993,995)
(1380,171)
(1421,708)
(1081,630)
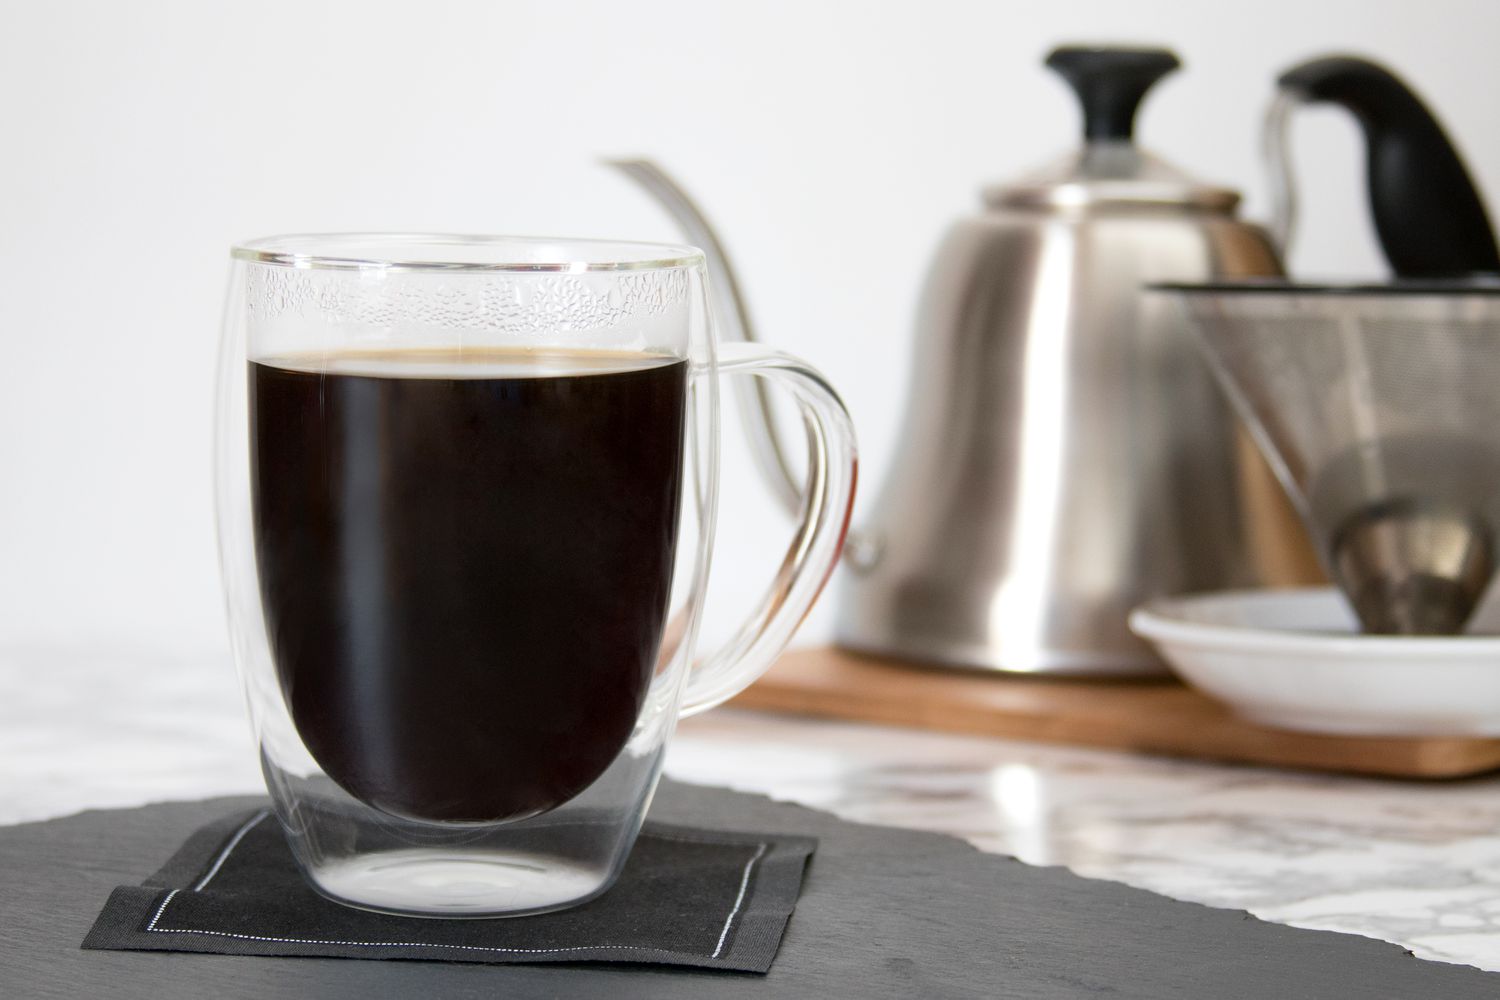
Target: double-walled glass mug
(466,495)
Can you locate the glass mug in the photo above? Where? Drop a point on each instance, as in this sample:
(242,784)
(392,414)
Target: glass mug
(466,495)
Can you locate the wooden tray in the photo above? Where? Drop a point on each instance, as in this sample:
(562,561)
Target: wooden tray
(1161,717)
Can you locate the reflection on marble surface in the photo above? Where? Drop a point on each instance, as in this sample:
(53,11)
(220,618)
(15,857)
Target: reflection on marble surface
(103,728)
(1417,864)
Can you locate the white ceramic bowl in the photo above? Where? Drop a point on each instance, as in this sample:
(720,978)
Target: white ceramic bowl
(1295,659)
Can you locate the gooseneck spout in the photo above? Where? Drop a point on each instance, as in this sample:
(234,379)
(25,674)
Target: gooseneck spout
(732,318)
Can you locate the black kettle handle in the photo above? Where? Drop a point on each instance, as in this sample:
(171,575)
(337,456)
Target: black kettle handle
(1110,83)
(1428,213)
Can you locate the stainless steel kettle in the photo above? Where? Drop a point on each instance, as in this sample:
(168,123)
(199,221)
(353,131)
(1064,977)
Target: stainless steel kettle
(1065,454)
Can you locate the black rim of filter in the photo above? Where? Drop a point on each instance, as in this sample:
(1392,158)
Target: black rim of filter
(1488,285)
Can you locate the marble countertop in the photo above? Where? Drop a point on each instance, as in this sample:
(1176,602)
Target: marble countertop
(95,726)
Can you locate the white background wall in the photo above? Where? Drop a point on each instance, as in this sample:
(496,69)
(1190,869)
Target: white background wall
(831,142)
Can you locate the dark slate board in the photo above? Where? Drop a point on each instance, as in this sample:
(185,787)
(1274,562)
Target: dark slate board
(883,913)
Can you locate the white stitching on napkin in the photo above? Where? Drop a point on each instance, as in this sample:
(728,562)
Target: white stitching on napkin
(157,916)
(740,899)
(233,843)
(760,850)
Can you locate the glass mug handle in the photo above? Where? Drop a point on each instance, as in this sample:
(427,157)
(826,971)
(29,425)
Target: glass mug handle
(833,467)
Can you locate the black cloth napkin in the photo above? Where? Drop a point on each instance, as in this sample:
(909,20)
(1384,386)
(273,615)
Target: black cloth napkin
(687,896)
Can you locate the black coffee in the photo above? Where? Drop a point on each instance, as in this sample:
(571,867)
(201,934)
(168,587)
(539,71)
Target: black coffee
(464,563)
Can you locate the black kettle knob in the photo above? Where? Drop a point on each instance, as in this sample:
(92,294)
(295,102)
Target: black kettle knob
(1428,213)
(1110,83)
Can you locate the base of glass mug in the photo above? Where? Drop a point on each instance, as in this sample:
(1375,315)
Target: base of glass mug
(445,883)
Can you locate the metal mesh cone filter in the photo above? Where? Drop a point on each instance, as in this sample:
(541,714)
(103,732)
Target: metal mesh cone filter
(1379,409)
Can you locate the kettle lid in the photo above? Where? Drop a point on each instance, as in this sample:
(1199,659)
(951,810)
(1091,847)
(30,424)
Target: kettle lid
(1110,169)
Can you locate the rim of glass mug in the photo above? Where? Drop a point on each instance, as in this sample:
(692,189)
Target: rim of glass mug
(461,252)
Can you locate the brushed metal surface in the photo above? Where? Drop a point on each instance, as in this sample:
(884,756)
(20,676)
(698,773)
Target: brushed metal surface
(1065,454)
(1411,568)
